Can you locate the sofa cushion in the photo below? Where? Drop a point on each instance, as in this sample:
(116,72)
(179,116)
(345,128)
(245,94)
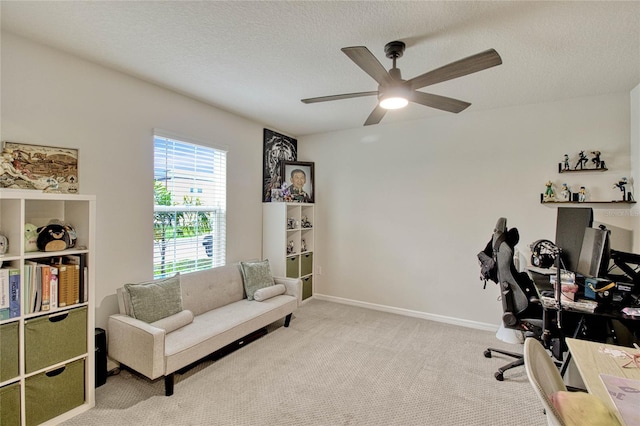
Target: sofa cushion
(256,275)
(268,292)
(175,321)
(154,300)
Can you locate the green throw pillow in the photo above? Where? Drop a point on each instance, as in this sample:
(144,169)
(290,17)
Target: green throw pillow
(255,275)
(153,300)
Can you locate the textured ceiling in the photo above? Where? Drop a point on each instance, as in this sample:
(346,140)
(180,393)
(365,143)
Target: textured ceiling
(258,59)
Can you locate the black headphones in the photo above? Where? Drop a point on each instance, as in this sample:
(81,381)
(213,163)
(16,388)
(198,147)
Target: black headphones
(543,253)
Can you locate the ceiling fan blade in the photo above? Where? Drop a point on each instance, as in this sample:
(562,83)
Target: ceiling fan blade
(375,116)
(369,64)
(478,62)
(439,102)
(337,97)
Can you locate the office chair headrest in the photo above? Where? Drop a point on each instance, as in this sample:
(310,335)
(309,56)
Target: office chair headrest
(513,236)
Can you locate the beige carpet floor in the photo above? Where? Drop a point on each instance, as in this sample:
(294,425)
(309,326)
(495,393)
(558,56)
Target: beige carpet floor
(335,365)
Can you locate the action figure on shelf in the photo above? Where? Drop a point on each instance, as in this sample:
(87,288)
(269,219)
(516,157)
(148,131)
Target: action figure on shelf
(303,246)
(582,194)
(582,161)
(549,194)
(305,222)
(566,162)
(565,194)
(290,247)
(596,159)
(621,185)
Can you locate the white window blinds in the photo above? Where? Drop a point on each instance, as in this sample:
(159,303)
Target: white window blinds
(190,192)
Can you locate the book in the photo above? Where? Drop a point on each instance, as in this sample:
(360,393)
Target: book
(14,293)
(82,275)
(4,314)
(63,285)
(4,288)
(625,395)
(45,276)
(54,287)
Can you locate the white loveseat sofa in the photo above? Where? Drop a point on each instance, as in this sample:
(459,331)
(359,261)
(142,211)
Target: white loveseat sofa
(214,310)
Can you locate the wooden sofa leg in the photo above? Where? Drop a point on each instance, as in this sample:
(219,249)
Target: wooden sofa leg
(287,320)
(168,384)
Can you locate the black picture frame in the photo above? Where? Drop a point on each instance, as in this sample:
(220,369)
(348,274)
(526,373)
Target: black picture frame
(276,148)
(308,190)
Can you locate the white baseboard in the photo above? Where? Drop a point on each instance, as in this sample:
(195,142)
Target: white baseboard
(410,313)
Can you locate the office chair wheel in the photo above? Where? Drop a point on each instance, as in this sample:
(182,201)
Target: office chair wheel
(487,353)
(499,376)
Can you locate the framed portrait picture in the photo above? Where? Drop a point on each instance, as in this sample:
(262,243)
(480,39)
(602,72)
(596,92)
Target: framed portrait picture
(298,176)
(277,148)
(43,168)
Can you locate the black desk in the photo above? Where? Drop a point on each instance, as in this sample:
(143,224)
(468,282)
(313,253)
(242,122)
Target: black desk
(605,324)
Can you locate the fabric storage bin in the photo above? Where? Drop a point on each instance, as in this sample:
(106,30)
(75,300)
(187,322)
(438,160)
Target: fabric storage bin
(9,351)
(10,405)
(293,267)
(54,338)
(307,287)
(306,264)
(51,393)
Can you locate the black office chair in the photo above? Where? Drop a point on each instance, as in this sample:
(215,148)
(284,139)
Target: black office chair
(520,305)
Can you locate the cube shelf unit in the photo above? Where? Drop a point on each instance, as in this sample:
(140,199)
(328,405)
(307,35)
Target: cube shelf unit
(287,243)
(47,370)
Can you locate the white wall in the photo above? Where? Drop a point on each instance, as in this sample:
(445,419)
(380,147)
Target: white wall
(52,98)
(404,208)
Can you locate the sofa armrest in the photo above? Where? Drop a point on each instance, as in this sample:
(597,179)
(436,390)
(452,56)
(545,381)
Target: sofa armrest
(137,344)
(293,285)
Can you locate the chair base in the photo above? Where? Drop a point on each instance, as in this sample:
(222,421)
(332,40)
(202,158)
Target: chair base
(519,360)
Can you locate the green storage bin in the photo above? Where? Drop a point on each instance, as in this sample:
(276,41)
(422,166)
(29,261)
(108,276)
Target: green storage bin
(10,405)
(9,351)
(306,264)
(293,267)
(307,287)
(54,338)
(51,393)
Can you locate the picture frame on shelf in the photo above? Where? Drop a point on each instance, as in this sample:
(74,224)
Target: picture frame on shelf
(39,167)
(276,148)
(298,181)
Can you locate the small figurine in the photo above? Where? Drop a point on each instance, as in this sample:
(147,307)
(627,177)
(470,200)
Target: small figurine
(4,244)
(303,246)
(290,247)
(582,194)
(305,222)
(596,159)
(621,185)
(549,193)
(291,223)
(566,162)
(565,193)
(582,161)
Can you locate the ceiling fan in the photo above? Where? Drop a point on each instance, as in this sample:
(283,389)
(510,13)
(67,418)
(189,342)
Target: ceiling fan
(394,92)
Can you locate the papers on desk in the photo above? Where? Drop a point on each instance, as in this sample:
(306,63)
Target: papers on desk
(625,394)
(634,312)
(580,305)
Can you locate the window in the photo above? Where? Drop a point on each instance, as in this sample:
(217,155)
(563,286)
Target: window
(189,213)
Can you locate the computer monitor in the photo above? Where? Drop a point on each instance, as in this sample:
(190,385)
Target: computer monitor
(594,253)
(571,223)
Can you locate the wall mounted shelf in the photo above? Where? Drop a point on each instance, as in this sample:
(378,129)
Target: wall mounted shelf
(562,170)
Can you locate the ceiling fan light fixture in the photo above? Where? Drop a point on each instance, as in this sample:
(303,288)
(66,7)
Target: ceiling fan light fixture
(394,97)
(393,102)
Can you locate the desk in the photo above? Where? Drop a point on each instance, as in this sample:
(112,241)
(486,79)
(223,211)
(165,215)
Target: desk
(591,363)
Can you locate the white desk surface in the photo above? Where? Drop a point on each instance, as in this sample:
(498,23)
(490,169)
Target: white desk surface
(591,361)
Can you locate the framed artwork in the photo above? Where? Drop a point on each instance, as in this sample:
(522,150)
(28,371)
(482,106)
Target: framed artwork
(277,148)
(42,168)
(298,177)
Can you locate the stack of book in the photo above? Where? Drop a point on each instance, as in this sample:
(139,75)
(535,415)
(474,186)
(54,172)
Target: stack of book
(9,293)
(568,282)
(56,284)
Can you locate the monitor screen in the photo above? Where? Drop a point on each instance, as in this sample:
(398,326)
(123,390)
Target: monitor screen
(570,226)
(593,258)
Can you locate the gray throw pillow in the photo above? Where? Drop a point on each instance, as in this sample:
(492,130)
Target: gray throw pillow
(153,300)
(256,275)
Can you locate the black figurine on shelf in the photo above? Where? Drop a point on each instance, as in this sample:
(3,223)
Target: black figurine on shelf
(621,185)
(582,161)
(566,162)
(596,159)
